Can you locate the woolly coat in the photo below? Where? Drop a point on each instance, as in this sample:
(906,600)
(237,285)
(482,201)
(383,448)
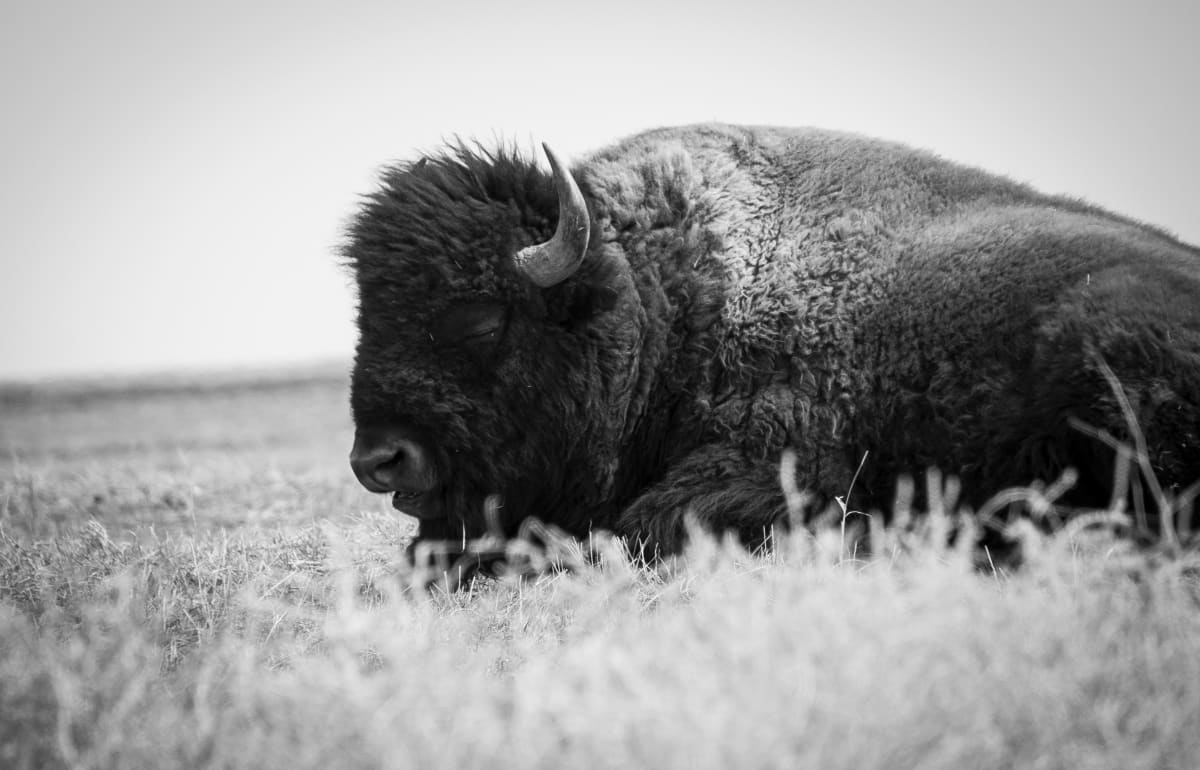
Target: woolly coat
(873,308)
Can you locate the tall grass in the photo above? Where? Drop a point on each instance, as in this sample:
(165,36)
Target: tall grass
(310,650)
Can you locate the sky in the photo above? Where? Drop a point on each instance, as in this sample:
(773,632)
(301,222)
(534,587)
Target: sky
(175,177)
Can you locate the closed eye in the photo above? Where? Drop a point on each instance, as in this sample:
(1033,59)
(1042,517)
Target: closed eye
(480,324)
(480,335)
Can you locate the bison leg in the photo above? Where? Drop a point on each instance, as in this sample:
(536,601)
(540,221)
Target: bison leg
(714,486)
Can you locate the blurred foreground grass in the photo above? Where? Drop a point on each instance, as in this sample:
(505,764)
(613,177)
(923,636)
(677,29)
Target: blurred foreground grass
(297,642)
(307,651)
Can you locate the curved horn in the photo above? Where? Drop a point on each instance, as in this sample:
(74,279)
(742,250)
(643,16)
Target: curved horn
(554,261)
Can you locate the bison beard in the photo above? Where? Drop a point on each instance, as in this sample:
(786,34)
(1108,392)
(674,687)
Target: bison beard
(640,339)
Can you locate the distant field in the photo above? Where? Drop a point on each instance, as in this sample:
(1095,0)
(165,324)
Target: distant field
(178,454)
(190,577)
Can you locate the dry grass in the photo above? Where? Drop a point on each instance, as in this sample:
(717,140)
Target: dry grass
(298,643)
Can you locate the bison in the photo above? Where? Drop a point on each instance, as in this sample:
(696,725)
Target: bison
(636,339)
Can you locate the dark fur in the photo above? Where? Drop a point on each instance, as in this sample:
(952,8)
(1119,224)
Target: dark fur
(748,290)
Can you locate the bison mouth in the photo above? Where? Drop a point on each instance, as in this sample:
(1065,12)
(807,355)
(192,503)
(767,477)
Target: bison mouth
(419,505)
(454,509)
(444,503)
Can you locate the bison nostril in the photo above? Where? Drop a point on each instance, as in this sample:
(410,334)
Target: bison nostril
(389,461)
(395,462)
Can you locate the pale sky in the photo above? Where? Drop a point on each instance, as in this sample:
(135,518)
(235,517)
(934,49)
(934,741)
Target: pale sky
(174,176)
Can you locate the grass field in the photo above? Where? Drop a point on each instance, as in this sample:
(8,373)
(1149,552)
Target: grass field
(191,577)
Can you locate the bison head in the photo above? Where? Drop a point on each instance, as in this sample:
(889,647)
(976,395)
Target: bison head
(492,350)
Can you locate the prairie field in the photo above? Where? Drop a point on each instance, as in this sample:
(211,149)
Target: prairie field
(191,577)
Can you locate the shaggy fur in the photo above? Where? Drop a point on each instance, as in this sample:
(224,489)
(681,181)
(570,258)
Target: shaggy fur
(748,290)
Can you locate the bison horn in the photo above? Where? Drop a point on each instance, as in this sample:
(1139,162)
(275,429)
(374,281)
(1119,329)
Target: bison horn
(554,261)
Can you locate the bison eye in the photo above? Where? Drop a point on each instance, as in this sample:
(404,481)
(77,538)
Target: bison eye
(469,325)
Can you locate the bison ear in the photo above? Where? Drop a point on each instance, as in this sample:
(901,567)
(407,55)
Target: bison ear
(604,298)
(590,301)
